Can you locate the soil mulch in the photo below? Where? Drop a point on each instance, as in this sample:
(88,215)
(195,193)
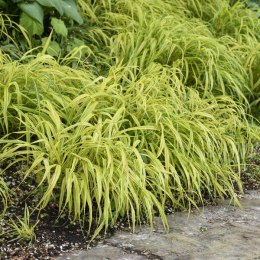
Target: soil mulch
(52,236)
(250,176)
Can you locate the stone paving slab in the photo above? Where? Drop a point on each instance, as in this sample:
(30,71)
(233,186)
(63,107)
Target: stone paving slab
(216,232)
(102,252)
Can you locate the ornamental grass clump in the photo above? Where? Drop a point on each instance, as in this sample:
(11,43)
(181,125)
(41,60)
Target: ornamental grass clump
(122,146)
(224,18)
(189,47)
(3,196)
(215,45)
(154,117)
(238,27)
(13,37)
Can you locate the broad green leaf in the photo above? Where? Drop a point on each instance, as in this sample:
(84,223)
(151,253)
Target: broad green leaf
(2,3)
(59,27)
(32,26)
(34,10)
(70,10)
(53,48)
(52,3)
(76,43)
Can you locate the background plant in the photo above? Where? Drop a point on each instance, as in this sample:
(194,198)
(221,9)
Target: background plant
(38,17)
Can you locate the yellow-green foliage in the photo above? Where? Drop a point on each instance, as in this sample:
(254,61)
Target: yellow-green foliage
(215,46)
(155,117)
(21,229)
(3,196)
(120,145)
(9,41)
(241,28)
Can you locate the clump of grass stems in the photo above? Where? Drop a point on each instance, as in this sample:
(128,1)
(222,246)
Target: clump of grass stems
(224,18)
(155,117)
(239,27)
(125,145)
(10,32)
(3,196)
(214,45)
(21,229)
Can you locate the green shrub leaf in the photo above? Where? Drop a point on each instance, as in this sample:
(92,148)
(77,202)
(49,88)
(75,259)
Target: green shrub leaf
(34,10)
(32,26)
(59,27)
(70,10)
(53,49)
(2,3)
(78,44)
(52,3)
(75,43)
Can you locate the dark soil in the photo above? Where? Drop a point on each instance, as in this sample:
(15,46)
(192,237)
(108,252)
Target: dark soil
(52,236)
(250,175)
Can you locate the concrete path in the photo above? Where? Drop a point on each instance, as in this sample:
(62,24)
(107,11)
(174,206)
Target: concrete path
(217,232)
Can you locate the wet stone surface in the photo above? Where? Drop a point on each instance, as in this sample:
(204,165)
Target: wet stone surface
(215,232)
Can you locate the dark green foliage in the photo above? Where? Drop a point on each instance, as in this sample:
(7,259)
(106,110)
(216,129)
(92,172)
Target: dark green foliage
(38,18)
(35,16)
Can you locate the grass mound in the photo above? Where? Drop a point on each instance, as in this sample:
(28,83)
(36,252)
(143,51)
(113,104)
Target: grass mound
(119,147)
(215,46)
(155,117)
